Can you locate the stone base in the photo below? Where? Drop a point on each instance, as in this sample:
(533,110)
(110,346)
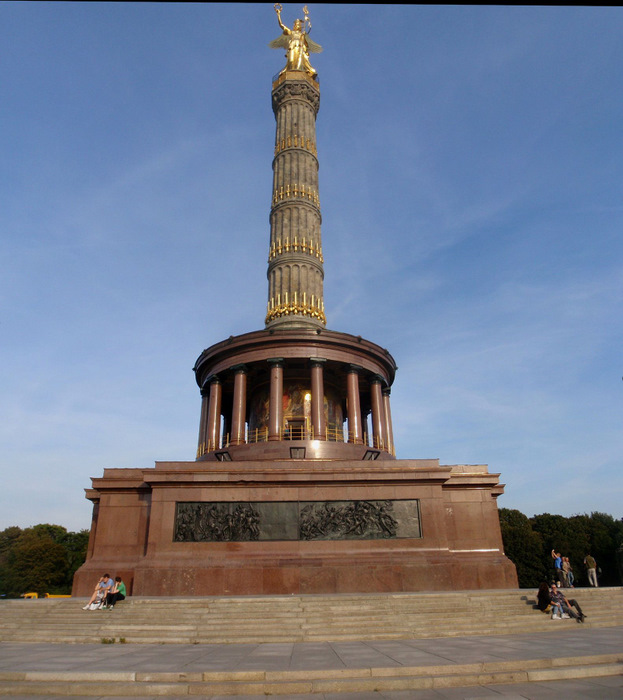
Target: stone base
(455,544)
(362,574)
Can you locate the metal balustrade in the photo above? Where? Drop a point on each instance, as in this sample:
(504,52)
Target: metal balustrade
(334,433)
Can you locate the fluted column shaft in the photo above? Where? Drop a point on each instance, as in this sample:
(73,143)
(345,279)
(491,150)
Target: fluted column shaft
(239,408)
(378,413)
(319,423)
(275,410)
(203,423)
(389,432)
(353,406)
(214,415)
(295,269)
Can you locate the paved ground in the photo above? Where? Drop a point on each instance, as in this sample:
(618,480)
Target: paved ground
(569,639)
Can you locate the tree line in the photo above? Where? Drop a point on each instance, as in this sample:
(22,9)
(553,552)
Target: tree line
(528,543)
(44,558)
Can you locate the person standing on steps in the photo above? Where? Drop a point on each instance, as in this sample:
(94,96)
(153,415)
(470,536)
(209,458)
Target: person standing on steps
(568,572)
(591,570)
(558,567)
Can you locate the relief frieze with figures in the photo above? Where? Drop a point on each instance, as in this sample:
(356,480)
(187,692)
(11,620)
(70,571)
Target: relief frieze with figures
(292,520)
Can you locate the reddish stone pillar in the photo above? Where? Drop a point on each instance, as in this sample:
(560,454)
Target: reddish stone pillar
(214,415)
(319,423)
(378,413)
(203,423)
(275,414)
(389,432)
(355,427)
(239,410)
(93,533)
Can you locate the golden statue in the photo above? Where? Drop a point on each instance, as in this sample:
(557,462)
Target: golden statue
(297,43)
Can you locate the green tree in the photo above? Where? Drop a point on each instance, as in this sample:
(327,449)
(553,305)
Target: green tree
(567,536)
(528,543)
(8,538)
(36,563)
(42,558)
(75,544)
(523,547)
(604,537)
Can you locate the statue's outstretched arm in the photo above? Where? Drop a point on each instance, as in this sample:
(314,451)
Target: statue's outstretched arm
(278,9)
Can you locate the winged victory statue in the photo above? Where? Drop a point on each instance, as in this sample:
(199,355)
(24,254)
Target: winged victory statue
(296,42)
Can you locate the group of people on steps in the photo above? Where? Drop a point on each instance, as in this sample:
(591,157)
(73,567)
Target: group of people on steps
(107,592)
(563,572)
(551,599)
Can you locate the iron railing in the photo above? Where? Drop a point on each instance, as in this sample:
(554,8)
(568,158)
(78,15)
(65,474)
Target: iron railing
(334,433)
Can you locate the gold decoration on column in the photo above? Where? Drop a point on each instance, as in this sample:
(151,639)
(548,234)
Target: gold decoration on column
(299,142)
(301,309)
(296,191)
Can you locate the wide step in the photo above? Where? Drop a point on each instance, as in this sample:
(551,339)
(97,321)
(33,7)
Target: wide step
(344,680)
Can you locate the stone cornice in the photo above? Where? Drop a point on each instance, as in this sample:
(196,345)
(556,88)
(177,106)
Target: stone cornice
(290,343)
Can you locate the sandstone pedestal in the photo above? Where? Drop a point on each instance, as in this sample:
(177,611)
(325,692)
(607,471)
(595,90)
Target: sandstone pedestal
(452,540)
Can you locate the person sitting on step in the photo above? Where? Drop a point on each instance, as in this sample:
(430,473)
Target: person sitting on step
(102,587)
(117,592)
(566,606)
(543,602)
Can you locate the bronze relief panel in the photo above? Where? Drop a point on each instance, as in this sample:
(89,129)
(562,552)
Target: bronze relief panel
(297,520)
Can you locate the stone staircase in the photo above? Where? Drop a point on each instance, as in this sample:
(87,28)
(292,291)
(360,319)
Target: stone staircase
(305,618)
(297,618)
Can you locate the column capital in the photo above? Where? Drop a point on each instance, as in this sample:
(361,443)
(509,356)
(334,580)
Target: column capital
(296,86)
(239,369)
(276,361)
(317,361)
(212,379)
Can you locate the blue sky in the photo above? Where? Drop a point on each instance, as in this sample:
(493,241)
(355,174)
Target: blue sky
(471,183)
